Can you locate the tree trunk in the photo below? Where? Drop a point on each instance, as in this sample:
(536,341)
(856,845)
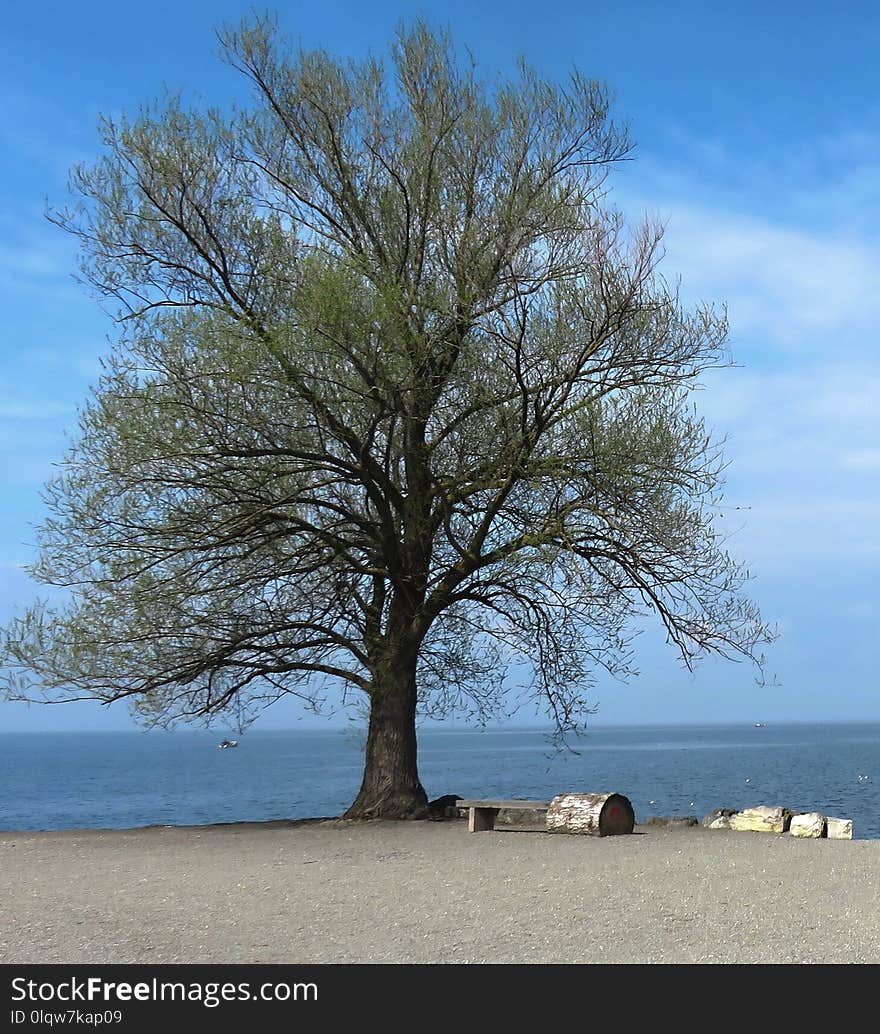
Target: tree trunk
(596,814)
(391,788)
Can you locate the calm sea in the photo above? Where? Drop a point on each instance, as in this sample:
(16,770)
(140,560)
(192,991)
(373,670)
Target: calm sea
(121,779)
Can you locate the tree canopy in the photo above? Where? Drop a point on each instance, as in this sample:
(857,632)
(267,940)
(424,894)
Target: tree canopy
(399,403)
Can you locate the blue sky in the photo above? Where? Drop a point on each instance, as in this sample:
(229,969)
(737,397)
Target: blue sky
(758,133)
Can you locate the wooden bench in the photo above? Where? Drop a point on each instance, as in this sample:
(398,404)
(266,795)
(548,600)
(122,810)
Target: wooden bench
(482,814)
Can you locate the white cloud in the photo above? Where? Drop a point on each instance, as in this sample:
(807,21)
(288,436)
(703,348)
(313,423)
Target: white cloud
(40,409)
(72,356)
(24,114)
(803,445)
(861,459)
(789,241)
(37,257)
(785,288)
(801,414)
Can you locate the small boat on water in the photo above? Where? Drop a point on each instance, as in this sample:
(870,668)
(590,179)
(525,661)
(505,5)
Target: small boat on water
(227,743)
(760,725)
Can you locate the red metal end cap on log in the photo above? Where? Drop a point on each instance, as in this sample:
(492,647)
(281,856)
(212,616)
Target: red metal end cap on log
(594,814)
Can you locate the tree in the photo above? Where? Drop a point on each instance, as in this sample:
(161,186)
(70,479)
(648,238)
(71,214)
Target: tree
(398,402)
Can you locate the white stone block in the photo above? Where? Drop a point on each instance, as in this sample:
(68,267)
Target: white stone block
(762,819)
(810,824)
(839,829)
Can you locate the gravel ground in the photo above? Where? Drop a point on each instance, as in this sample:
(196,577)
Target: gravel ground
(432,892)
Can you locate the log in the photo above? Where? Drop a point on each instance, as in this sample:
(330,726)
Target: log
(594,814)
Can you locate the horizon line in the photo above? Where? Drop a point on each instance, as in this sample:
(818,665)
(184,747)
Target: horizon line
(435,725)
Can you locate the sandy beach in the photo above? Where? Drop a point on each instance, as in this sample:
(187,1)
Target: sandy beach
(431,892)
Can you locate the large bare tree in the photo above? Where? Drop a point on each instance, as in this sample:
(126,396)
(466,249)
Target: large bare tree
(399,403)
